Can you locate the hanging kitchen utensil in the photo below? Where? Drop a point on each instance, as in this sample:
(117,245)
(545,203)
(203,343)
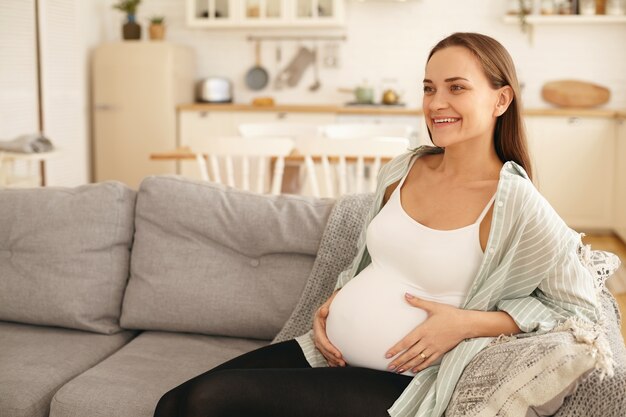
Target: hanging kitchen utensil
(316,84)
(278,83)
(257,77)
(331,55)
(293,72)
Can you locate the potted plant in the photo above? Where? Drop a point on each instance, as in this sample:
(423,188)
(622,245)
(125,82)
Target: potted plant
(131,29)
(157,28)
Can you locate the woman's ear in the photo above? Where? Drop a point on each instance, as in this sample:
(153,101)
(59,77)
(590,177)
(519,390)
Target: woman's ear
(505,97)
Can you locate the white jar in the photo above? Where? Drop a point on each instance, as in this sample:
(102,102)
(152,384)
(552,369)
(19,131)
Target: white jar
(548,7)
(587,7)
(615,7)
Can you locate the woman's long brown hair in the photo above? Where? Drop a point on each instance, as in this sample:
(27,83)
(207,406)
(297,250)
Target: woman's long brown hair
(510,135)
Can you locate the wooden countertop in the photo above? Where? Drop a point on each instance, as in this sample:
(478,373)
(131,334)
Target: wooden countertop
(386,110)
(555,111)
(302,108)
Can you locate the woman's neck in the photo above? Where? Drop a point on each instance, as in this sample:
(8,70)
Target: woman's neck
(471,160)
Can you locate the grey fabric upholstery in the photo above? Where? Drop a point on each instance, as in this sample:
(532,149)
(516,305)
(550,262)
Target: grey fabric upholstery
(64,255)
(336,251)
(215,260)
(36,361)
(130,383)
(606,398)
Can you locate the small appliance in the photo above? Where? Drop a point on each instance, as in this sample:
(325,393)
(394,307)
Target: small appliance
(215,90)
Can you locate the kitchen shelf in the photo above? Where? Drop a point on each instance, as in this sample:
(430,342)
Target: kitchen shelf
(246,14)
(533,20)
(565,19)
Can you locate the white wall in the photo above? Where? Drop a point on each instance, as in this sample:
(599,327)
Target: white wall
(392,40)
(18,70)
(384,40)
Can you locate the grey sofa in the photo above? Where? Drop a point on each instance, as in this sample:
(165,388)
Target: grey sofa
(110,297)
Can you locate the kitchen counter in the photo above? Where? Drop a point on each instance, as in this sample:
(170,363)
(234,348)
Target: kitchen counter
(386,110)
(555,111)
(302,108)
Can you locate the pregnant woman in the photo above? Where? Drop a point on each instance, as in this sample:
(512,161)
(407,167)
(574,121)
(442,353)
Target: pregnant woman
(459,247)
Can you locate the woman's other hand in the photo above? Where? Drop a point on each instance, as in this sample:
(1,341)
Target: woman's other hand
(443,329)
(330,352)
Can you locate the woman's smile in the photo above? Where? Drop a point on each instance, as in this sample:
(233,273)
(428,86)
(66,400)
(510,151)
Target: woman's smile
(441,122)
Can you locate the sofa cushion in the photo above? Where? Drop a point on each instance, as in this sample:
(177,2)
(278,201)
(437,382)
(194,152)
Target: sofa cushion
(130,382)
(64,255)
(36,361)
(215,260)
(530,376)
(549,374)
(337,251)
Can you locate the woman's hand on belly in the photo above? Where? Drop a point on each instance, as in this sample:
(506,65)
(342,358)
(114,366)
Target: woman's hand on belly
(439,333)
(330,352)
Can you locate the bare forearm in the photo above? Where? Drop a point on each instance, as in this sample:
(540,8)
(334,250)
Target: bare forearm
(489,323)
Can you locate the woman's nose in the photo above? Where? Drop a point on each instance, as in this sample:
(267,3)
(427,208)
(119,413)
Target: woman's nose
(437,101)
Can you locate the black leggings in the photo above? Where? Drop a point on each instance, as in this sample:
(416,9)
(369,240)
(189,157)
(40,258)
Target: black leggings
(277,381)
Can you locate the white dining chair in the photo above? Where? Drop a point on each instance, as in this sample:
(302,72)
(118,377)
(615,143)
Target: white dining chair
(245,164)
(335,157)
(277,130)
(296,131)
(366,130)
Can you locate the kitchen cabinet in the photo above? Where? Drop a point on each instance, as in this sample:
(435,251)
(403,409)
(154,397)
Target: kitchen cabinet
(579,161)
(620,180)
(197,127)
(419,136)
(265,13)
(574,167)
(317,12)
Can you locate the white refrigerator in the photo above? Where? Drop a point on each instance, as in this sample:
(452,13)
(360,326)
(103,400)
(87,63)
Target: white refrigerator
(136,87)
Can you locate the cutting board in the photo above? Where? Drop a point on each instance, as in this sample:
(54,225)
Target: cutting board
(573,93)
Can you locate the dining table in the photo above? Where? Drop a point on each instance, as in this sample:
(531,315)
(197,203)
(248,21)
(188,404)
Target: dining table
(294,162)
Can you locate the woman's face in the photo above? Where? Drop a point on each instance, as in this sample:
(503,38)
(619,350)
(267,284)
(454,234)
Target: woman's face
(459,103)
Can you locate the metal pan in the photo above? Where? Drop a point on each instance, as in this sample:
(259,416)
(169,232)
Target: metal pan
(257,77)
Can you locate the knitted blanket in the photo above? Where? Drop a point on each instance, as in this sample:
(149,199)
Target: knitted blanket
(598,396)
(337,250)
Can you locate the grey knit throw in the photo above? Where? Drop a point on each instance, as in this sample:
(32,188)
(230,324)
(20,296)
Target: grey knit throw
(606,398)
(337,250)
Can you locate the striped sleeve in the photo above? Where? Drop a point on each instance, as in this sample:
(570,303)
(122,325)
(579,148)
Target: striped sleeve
(548,250)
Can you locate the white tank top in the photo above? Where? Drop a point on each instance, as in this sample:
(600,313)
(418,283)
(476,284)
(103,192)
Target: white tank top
(370,314)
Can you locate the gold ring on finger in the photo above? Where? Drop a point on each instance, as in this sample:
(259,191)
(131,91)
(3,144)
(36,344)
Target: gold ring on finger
(423,356)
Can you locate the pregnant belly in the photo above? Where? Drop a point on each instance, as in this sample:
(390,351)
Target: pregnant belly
(370,315)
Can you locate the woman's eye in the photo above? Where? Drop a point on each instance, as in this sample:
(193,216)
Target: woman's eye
(428,90)
(456,87)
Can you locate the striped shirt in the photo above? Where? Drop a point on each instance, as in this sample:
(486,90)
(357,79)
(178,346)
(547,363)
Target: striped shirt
(530,269)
